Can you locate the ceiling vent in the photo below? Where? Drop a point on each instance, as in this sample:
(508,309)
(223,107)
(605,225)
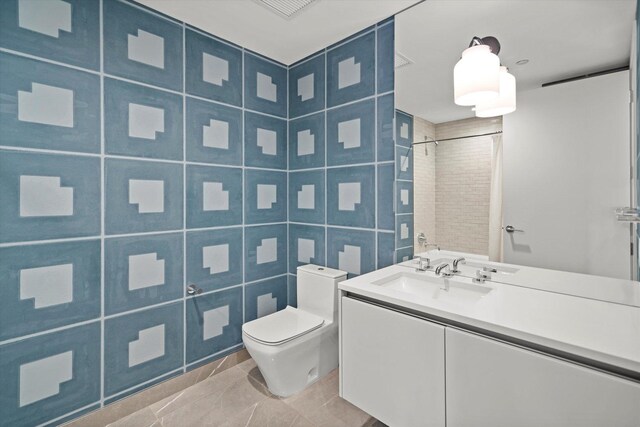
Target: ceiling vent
(286,8)
(401,60)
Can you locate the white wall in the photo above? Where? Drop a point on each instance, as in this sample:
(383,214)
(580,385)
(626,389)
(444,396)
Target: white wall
(566,168)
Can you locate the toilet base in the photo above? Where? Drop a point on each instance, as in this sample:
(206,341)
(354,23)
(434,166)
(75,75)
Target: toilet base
(291,367)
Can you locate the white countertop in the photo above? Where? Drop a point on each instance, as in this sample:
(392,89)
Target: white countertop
(601,331)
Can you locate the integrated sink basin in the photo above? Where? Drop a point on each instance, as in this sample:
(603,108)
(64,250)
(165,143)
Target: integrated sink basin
(455,289)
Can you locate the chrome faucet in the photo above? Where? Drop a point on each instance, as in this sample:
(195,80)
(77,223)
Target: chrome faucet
(455,264)
(424,264)
(447,271)
(481,276)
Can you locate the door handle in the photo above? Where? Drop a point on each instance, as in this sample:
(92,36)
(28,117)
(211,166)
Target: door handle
(511,229)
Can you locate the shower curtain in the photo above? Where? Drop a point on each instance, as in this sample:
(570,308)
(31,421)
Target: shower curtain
(495,202)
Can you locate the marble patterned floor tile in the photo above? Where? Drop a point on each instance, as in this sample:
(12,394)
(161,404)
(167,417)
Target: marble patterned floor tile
(270,412)
(337,412)
(143,418)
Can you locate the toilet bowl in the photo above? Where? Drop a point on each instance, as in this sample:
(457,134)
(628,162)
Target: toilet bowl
(295,347)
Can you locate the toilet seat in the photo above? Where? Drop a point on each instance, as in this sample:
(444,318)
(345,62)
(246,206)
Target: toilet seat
(282,326)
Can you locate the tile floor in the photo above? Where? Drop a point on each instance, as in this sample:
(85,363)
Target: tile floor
(238,396)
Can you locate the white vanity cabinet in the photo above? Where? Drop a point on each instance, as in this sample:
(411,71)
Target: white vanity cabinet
(392,365)
(493,384)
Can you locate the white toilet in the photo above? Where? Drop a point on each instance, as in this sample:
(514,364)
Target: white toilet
(295,347)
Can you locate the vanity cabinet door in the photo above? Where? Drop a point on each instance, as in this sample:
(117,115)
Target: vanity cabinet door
(392,365)
(493,384)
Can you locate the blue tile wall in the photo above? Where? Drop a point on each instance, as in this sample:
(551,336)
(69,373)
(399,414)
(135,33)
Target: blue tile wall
(71,122)
(214,323)
(265,141)
(142,345)
(351,73)
(142,196)
(173,158)
(30,273)
(265,86)
(142,122)
(351,134)
(73,353)
(265,297)
(306,142)
(404,187)
(70,34)
(213,133)
(48,196)
(141,46)
(213,69)
(349,219)
(351,196)
(214,196)
(142,271)
(306,87)
(265,196)
(265,251)
(306,246)
(306,196)
(214,258)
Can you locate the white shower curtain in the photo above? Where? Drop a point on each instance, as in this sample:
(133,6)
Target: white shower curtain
(495,202)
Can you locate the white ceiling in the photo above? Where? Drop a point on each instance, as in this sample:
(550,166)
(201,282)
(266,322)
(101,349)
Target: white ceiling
(256,27)
(561,39)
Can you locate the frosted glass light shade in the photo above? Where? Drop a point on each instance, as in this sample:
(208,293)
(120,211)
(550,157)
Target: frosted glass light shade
(505,103)
(476,76)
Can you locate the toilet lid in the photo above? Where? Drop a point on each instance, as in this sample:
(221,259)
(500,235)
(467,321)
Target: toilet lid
(281,326)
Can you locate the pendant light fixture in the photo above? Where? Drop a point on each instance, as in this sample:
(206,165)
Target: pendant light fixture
(505,103)
(476,76)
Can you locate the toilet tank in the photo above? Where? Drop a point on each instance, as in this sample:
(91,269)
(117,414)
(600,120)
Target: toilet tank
(318,290)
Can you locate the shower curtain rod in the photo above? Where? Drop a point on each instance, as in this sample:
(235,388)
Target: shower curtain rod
(460,137)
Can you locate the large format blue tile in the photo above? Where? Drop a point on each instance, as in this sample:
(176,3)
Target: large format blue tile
(141,46)
(404,129)
(306,245)
(214,196)
(404,197)
(214,323)
(385,141)
(385,56)
(50,375)
(265,249)
(214,258)
(265,141)
(141,346)
(65,31)
(386,249)
(306,196)
(47,286)
(265,86)
(352,251)
(351,134)
(404,231)
(214,133)
(351,196)
(141,271)
(404,254)
(351,70)
(265,297)
(306,142)
(142,196)
(213,69)
(306,87)
(265,195)
(48,196)
(142,122)
(404,163)
(385,210)
(48,106)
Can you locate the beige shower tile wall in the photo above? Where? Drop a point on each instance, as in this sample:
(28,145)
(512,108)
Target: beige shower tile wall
(462,185)
(424,182)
